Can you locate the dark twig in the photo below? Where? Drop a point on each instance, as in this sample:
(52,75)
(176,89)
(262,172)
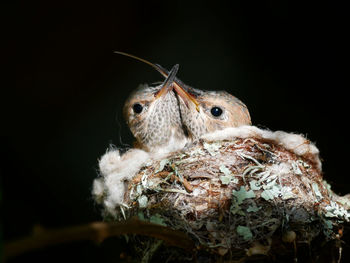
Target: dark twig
(96,231)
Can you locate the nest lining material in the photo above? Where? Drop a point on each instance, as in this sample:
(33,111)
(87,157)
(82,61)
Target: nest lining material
(233,189)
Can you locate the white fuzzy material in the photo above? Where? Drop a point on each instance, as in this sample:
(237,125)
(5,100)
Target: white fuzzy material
(98,189)
(115,169)
(280,169)
(172,146)
(295,143)
(109,162)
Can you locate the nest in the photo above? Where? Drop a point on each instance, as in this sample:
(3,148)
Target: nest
(239,197)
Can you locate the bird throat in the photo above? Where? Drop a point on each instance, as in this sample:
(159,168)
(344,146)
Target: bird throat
(162,126)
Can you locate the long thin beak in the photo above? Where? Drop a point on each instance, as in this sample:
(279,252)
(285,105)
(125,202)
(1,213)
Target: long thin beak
(177,84)
(168,83)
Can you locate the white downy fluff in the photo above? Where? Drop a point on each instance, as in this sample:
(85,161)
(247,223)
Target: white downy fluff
(295,143)
(115,171)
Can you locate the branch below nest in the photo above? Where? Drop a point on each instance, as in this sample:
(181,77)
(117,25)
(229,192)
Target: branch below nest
(96,231)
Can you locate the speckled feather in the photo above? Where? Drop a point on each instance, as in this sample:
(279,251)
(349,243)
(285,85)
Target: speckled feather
(159,124)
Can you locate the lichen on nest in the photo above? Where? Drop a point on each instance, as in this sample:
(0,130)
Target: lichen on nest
(239,193)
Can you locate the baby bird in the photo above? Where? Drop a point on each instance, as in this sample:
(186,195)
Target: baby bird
(217,110)
(208,111)
(201,111)
(153,116)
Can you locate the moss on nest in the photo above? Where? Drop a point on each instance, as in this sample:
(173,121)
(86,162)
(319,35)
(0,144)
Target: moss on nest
(238,198)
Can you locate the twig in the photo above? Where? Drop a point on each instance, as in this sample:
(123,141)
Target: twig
(96,231)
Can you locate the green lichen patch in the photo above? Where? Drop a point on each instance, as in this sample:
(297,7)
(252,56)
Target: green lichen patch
(336,211)
(253,208)
(244,232)
(157,219)
(141,216)
(255,185)
(317,191)
(225,179)
(270,193)
(286,193)
(228,177)
(242,194)
(212,148)
(143,201)
(162,164)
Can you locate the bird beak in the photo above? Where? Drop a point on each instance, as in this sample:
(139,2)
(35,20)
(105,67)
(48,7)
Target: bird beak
(179,88)
(168,83)
(187,97)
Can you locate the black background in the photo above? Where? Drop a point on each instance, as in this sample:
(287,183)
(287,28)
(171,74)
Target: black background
(63,91)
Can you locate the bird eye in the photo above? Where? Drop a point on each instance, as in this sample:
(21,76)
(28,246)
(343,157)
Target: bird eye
(216,111)
(137,107)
